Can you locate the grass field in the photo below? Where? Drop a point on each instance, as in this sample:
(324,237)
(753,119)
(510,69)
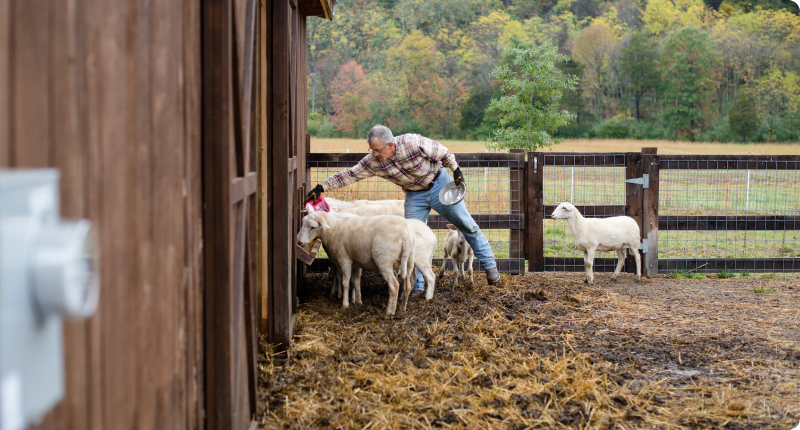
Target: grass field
(682,192)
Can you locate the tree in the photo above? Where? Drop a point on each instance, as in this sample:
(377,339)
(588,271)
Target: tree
(533,86)
(689,62)
(640,65)
(743,117)
(348,91)
(594,51)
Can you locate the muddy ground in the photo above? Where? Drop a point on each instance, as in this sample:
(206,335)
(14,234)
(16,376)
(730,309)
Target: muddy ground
(543,351)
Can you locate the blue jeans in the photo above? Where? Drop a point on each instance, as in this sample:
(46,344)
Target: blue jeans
(419,205)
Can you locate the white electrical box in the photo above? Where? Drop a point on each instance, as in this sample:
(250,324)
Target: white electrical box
(48,271)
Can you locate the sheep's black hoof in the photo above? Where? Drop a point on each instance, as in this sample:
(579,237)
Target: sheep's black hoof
(585,281)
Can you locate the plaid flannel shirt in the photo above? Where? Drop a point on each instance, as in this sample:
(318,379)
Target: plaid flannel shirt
(416,161)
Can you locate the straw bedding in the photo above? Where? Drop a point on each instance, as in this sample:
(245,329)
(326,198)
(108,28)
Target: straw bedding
(543,351)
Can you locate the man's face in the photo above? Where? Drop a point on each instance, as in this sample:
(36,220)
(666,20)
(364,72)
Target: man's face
(381,151)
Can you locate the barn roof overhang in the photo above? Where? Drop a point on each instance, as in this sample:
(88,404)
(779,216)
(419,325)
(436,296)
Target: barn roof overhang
(320,8)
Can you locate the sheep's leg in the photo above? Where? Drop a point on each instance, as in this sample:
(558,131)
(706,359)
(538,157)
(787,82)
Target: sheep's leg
(345,268)
(589,262)
(430,281)
(356,286)
(620,262)
(635,252)
(456,271)
(471,258)
(441,269)
(410,279)
(394,287)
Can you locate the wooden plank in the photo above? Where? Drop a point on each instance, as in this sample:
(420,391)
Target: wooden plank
(190,80)
(534,206)
(569,264)
(282,188)
(729,223)
(166,315)
(70,149)
(243,187)
(484,221)
(591,211)
(5,83)
(730,162)
(600,159)
(712,265)
(265,178)
(633,200)
(650,212)
(146,269)
(470,159)
(217,221)
(30,97)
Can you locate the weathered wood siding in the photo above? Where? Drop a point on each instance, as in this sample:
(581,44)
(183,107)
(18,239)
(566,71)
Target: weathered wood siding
(108,91)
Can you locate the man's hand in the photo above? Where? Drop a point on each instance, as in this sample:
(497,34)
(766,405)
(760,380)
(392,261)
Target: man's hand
(458,177)
(314,194)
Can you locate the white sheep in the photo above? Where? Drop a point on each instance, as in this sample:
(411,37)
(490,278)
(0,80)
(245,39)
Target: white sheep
(602,234)
(343,205)
(425,246)
(381,243)
(457,249)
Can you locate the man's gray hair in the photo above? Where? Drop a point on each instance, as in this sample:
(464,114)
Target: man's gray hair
(382,133)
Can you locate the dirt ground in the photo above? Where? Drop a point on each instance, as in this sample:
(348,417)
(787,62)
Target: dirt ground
(543,351)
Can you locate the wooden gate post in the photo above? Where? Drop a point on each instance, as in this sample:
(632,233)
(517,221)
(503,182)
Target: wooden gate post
(534,212)
(633,200)
(650,211)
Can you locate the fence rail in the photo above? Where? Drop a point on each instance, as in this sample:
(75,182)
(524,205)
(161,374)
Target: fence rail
(698,212)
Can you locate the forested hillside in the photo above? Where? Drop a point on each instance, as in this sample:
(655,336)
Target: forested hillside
(680,69)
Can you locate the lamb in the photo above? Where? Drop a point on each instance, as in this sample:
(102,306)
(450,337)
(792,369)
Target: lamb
(604,234)
(381,243)
(457,249)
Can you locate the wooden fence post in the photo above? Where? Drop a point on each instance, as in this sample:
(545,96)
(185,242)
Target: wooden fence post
(650,211)
(633,200)
(534,212)
(516,237)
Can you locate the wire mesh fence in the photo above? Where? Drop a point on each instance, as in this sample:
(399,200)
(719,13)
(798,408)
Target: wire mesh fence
(580,182)
(728,201)
(494,199)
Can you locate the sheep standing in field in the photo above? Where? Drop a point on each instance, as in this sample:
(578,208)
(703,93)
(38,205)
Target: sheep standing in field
(457,249)
(381,243)
(602,234)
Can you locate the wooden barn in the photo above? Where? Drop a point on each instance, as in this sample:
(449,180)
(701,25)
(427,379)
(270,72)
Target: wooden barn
(179,129)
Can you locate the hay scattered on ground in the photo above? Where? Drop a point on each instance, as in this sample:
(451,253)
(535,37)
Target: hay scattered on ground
(543,351)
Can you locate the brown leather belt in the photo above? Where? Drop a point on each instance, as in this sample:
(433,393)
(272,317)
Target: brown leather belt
(433,181)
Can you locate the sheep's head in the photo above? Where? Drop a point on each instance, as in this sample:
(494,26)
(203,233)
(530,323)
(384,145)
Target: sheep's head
(313,226)
(564,211)
(461,239)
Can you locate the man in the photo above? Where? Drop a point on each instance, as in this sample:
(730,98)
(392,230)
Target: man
(415,163)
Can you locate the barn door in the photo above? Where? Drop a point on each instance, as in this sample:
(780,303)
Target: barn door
(229,225)
(286,136)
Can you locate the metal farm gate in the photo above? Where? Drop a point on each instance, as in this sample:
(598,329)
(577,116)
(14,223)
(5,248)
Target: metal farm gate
(696,212)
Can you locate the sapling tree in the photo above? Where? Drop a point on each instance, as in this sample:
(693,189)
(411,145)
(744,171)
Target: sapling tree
(530,109)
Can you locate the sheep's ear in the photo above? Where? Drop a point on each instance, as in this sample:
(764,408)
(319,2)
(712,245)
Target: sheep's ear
(323,224)
(451,227)
(309,207)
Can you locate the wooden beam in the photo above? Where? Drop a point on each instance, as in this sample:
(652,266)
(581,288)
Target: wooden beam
(730,162)
(243,187)
(484,221)
(535,211)
(591,211)
(584,160)
(732,264)
(470,159)
(729,223)
(650,212)
(633,200)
